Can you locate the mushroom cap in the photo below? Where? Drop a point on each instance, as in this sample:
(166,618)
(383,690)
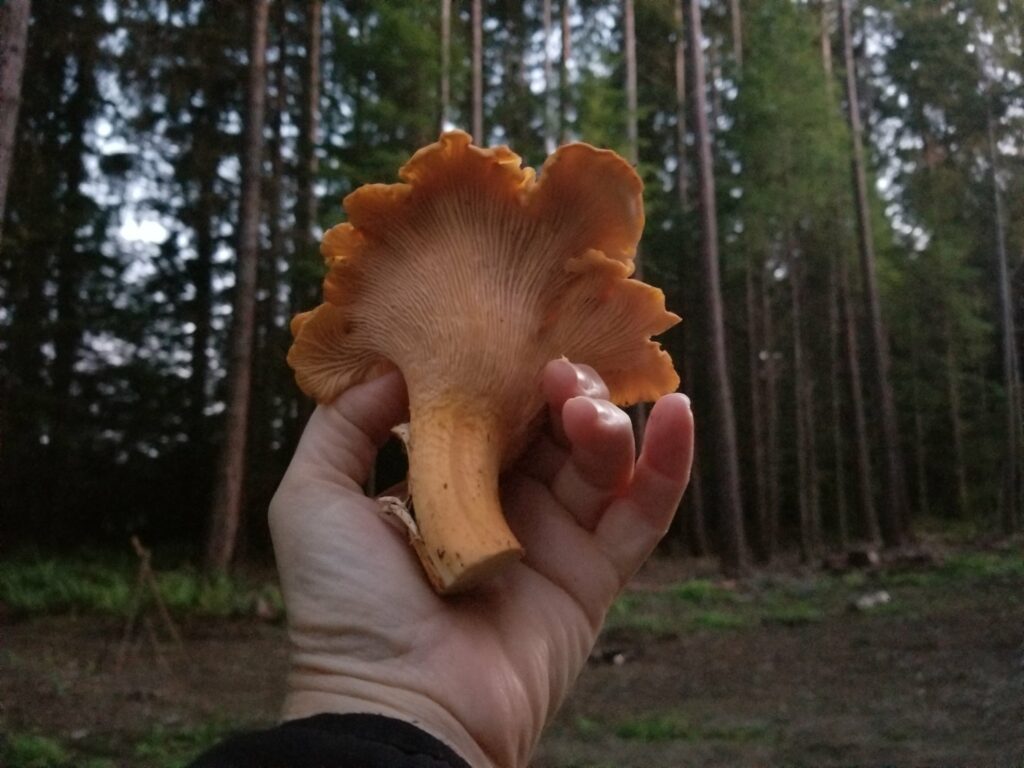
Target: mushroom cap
(471,274)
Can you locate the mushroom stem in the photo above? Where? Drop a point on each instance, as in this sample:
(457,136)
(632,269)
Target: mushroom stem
(454,462)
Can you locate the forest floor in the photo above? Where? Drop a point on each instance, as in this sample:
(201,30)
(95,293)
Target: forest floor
(778,670)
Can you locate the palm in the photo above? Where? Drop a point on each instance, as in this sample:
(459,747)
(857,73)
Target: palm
(497,661)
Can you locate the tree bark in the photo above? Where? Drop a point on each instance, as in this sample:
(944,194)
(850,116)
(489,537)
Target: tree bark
(736,17)
(550,139)
(803,451)
(1010,500)
(869,525)
(757,421)
(629,44)
(477,23)
(200,271)
(956,421)
(721,421)
(771,408)
(228,492)
(895,523)
(563,72)
(304,245)
(14,17)
(303,286)
(836,403)
(446,61)
(920,459)
(680,72)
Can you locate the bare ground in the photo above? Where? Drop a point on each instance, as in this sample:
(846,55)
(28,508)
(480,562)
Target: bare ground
(936,678)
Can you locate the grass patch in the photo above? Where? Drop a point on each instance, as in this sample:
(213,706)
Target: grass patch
(159,747)
(793,615)
(673,726)
(702,592)
(985,565)
(960,568)
(721,620)
(27,750)
(165,747)
(641,613)
(661,727)
(52,586)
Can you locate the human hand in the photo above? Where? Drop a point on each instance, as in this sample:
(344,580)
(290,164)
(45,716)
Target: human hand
(485,671)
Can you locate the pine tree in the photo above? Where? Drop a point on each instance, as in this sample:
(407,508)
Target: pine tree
(228,496)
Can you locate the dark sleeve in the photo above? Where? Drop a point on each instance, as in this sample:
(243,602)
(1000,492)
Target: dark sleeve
(333,741)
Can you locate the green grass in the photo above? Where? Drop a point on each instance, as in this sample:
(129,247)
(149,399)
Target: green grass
(165,747)
(721,620)
(702,592)
(31,587)
(28,750)
(703,604)
(674,726)
(793,614)
(159,747)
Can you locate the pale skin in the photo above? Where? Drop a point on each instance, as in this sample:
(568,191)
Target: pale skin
(483,672)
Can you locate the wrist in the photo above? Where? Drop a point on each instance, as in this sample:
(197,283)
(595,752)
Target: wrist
(312,693)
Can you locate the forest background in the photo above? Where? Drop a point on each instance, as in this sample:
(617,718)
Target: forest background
(834,205)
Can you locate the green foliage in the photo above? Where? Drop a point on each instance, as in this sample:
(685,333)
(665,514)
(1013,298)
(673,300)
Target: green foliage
(25,750)
(702,591)
(673,726)
(46,586)
(793,615)
(656,727)
(163,747)
(158,747)
(720,620)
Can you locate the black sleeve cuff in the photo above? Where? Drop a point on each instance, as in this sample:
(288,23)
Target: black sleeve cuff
(333,741)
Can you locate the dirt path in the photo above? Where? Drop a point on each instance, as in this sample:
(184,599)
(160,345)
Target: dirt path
(935,679)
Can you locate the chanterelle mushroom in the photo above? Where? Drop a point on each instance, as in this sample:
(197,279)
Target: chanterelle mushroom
(469,277)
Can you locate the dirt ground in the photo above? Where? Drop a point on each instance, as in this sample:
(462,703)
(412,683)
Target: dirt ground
(935,678)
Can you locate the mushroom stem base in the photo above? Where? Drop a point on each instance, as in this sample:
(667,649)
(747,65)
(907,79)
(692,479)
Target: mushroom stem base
(454,462)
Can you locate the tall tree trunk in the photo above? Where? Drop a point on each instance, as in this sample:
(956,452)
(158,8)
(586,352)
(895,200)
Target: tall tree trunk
(956,421)
(721,421)
(73,212)
(305,269)
(869,525)
(638,411)
(843,336)
(228,492)
(550,139)
(200,271)
(680,71)
(563,72)
(446,60)
(836,403)
(477,23)
(1010,500)
(695,525)
(267,352)
(14,16)
(803,451)
(629,43)
(736,18)
(759,513)
(304,246)
(895,522)
(920,458)
(715,67)
(771,409)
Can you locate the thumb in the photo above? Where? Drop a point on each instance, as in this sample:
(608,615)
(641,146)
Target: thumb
(342,438)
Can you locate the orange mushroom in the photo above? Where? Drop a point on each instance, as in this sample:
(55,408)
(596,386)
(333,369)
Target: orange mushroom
(469,277)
